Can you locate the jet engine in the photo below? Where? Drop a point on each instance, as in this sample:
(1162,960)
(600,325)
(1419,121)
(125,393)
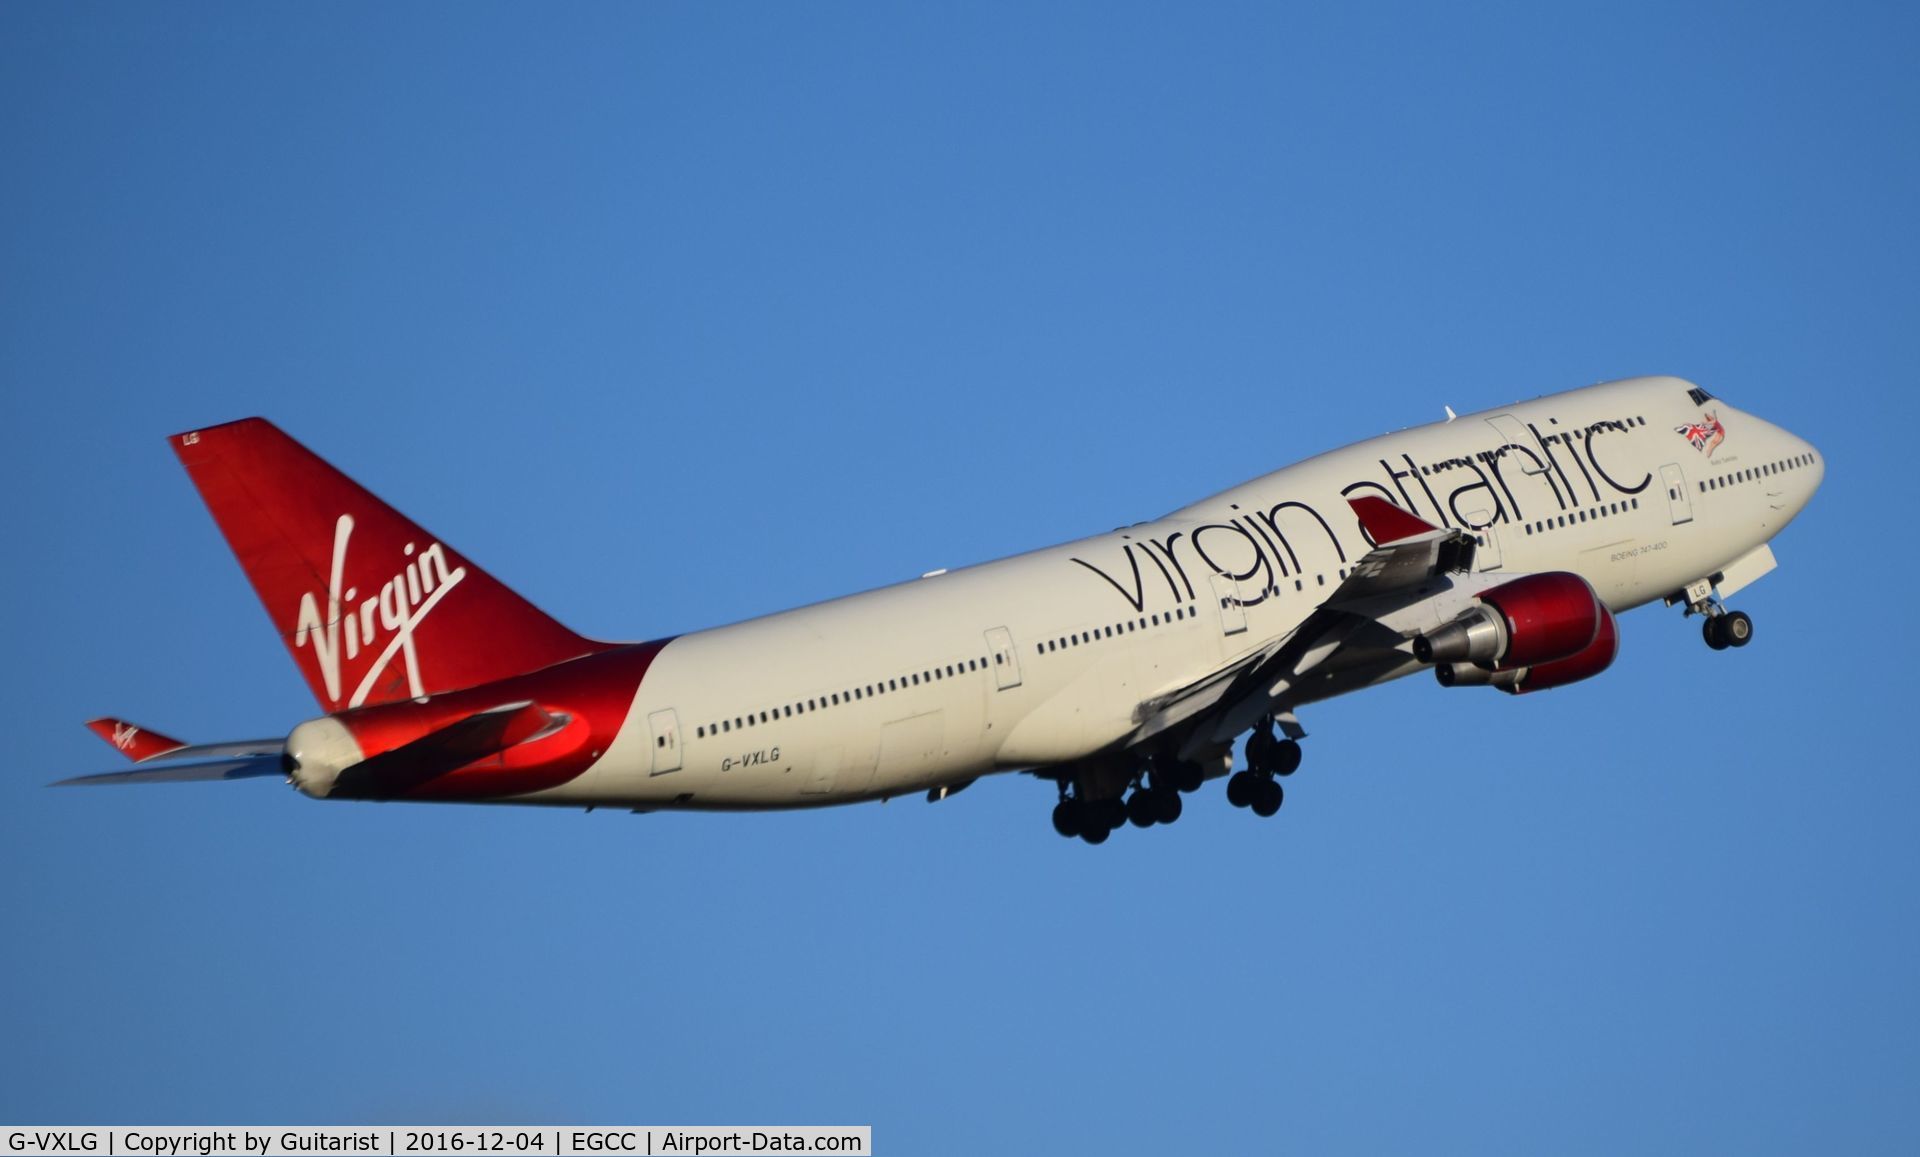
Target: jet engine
(1532,621)
(1595,658)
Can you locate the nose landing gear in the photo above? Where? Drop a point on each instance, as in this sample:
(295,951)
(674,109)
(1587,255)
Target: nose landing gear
(1729,629)
(1722,628)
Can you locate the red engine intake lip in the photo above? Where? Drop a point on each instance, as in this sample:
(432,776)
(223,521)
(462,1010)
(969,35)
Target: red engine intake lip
(1549,617)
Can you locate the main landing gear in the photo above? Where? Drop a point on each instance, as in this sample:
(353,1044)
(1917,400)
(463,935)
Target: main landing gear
(1099,798)
(1154,799)
(1721,627)
(1268,757)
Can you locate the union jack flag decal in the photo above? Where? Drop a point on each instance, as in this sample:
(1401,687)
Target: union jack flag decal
(1705,434)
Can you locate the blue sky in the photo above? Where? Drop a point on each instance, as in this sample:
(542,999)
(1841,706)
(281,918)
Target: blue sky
(672,315)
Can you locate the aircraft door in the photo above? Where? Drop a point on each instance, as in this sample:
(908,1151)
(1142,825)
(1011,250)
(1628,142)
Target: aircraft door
(1487,553)
(1233,612)
(1677,500)
(1006,664)
(665,726)
(1514,433)
(1486,550)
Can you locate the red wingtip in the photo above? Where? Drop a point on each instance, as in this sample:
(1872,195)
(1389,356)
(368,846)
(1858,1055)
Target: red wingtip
(136,743)
(1384,522)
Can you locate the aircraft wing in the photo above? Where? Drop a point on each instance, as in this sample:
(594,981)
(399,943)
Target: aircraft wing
(1396,573)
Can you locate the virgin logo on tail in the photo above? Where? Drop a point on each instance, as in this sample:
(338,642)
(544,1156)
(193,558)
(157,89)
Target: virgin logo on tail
(124,734)
(386,620)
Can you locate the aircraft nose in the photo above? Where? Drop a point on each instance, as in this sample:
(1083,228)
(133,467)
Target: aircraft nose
(1808,462)
(1807,467)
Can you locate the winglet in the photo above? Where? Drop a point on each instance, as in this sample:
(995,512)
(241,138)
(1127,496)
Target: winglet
(1384,522)
(135,742)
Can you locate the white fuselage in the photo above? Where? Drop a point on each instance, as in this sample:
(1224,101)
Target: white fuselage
(1046,657)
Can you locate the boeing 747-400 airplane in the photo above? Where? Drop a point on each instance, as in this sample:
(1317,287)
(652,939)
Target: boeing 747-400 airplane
(1493,549)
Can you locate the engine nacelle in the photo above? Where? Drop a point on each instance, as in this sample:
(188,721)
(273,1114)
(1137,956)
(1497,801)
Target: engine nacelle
(1538,619)
(1597,657)
(1474,675)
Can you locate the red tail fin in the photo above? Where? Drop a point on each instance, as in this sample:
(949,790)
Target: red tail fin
(372,608)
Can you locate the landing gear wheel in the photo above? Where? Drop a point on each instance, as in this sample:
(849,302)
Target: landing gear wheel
(1113,813)
(1240,788)
(1267,799)
(1096,834)
(1736,629)
(1143,810)
(1180,776)
(1067,819)
(1260,745)
(1710,631)
(1286,757)
(1169,805)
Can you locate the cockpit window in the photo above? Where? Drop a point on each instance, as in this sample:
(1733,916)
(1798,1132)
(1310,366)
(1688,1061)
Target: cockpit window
(1700,397)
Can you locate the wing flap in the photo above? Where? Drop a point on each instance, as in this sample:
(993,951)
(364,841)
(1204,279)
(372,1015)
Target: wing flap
(1411,554)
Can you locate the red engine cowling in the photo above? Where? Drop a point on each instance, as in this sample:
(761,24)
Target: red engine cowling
(1536,619)
(1549,616)
(1597,657)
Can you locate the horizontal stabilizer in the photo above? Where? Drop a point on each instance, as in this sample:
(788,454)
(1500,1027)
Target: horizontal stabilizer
(245,767)
(135,742)
(484,733)
(144,746)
